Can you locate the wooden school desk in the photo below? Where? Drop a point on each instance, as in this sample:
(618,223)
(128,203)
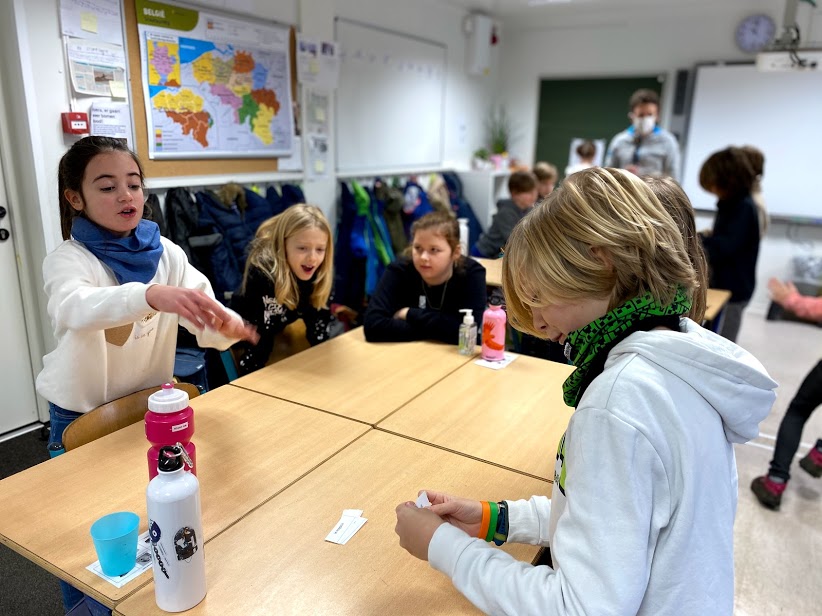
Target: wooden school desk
(716,300)
(249,447)
(360,380)
(493,271)
(513,417)
(276,561)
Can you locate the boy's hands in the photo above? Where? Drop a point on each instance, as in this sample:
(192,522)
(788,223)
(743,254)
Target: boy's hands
(464,513)
(416,526)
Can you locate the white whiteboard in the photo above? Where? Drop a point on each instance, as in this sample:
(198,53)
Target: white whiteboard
(390,100)
(779,113)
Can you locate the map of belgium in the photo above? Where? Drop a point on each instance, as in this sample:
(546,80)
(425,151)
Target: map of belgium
(202,93)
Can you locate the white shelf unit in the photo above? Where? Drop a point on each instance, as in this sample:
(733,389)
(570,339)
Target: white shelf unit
(483,189)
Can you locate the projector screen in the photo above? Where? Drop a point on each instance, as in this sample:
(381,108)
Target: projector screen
(779,113)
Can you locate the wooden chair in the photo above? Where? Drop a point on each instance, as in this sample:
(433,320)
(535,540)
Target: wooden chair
(112,416)
(289,342)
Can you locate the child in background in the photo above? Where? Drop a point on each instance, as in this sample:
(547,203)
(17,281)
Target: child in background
(546,179)
(288,276)
(733,244)
(523,188)
(769,488)
(645,486)
(116,293)
(586,151)
(420,298)
(677,204)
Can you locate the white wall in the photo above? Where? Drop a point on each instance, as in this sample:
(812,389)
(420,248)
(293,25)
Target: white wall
(641,42)
(37,67)
(467,99)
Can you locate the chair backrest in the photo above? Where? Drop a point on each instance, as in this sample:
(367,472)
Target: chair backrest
(112,416)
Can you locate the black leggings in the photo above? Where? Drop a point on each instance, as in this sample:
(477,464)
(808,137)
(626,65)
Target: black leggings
(803,404)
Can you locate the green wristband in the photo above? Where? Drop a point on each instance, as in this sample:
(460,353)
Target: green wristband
(492,526)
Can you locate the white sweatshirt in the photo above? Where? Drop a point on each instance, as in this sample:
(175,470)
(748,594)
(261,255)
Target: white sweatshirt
(86,305)
(645,491)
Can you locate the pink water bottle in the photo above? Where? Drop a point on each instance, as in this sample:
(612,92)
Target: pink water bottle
(169,420)
(493,332)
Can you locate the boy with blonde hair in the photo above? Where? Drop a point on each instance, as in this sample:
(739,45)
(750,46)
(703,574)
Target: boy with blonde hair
(645,484)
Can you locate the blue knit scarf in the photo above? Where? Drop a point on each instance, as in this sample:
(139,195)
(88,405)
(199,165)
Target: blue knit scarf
(132,259)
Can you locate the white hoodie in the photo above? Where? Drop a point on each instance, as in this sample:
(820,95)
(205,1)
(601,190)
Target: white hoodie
(644,497)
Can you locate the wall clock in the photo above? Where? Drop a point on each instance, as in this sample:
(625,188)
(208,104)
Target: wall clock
(755,32)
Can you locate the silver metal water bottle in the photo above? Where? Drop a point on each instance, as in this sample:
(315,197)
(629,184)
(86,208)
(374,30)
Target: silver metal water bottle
(176,532)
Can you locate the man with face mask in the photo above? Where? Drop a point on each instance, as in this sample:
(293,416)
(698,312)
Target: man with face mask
(644,147)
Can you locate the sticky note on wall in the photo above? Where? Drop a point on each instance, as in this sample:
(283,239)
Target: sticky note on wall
(88,21)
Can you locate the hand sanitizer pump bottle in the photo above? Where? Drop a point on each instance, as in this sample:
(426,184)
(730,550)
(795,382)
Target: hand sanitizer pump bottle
(468,333)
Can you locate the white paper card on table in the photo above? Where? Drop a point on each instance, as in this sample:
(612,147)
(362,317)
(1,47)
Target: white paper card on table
(350,522)
(422,500)
(497,365)
(355,525)
(143,564)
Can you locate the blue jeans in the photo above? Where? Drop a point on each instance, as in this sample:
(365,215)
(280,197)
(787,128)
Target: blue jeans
(59,419)
(74,602)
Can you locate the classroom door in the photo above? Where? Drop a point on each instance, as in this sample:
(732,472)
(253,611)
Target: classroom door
(583,108)
(18,404)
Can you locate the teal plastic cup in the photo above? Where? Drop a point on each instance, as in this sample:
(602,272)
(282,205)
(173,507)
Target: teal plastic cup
(115,539)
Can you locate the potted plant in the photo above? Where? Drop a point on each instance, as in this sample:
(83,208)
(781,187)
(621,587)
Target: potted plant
(499,128)
(480,160)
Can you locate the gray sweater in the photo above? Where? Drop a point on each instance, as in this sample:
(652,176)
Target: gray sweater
(492,241)
(656,154)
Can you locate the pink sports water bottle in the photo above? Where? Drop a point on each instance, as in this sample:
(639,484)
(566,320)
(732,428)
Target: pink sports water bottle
(169,420)
(493,332)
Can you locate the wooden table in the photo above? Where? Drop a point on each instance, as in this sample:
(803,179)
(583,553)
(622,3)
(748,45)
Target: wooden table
(360,380)
(512,417)
(716,300)
(249,447)
(275,560)
(493,271)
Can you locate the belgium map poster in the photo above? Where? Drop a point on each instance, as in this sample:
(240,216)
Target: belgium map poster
(214,86)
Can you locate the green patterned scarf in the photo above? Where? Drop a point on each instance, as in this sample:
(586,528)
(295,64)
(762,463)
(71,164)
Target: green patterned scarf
(588,347)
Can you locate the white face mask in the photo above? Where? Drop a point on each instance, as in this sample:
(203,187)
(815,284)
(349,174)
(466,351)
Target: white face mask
(645,125)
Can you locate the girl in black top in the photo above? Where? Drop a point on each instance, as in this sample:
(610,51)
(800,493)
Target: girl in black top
(288,276)
(419,298)
(732,247)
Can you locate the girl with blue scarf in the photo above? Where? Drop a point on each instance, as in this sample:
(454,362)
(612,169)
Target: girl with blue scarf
(116,293)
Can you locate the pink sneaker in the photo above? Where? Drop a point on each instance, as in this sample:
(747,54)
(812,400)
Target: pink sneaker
(812,463)
(768,492)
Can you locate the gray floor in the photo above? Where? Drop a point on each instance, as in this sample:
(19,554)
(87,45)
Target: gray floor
(777,554)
